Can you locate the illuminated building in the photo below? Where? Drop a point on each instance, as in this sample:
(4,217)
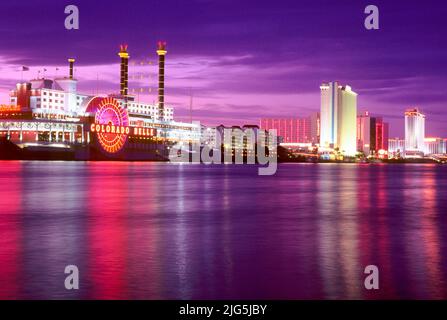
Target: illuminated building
(396,148)
(315,128)
(236,140)
(208,136)
(414,133)
(250,138)
(381,137)
(435,146)
(338,118)
(46,112)
(364,134)
(372,135)
(235,137)
(328,115)
(292,130)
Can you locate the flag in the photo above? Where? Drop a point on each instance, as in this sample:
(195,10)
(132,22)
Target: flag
(24,68)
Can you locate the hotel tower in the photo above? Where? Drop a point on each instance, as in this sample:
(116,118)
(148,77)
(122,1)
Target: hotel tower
(414,133)
(338,118)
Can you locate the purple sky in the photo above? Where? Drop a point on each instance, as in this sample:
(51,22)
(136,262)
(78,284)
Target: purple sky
(242,59)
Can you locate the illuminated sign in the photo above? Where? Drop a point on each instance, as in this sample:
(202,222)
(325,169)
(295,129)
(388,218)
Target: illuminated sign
(135,131)
(10,108)
(111,124)
(143,132)
(101,128)
(108,114)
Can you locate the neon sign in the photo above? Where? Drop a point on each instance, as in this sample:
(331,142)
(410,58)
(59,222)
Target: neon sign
(135,131)
(101,128)
(108,114)
(111,124)
(144,132)
(10,108)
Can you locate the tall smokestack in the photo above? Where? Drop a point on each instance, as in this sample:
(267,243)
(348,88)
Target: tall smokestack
(124,70)
(71,61)
(161,51)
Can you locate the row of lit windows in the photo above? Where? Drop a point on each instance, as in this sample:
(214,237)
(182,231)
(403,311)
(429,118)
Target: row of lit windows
(132,107)
(149,112)
(50,100)
(143,112)
(38,106)
(51,94)
(142,106)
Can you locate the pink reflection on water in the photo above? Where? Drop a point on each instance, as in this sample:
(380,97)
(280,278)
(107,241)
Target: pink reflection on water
(436,285)
(375,239)
(10,230)
(421,238)
(144,255)
(107,237)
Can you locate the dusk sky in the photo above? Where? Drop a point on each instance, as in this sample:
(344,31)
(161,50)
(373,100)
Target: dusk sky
(242,59)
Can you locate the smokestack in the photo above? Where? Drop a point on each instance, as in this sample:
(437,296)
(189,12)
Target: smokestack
(71,61)
(124,70)
(161,51)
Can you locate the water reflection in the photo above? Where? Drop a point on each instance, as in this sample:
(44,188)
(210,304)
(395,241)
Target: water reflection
(108,200)
(163,231)
(11,232)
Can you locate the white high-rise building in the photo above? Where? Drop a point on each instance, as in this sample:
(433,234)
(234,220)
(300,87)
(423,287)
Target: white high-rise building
(435,146)
(414,132)
(338,118)
(396,147)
